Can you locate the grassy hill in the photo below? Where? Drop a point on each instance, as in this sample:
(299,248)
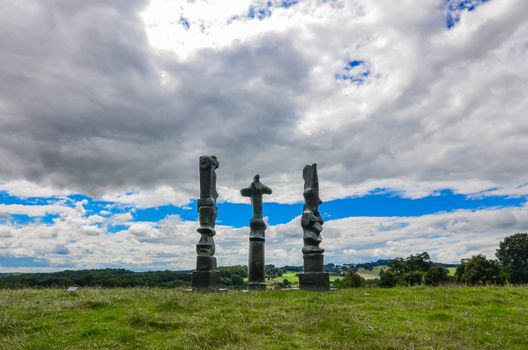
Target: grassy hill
(371,274)
(368,318)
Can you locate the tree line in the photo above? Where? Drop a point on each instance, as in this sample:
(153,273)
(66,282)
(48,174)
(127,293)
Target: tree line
(511,266)
(230,277)
(108,278)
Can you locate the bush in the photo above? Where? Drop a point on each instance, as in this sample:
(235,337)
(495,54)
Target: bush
(352,280)
(237,281)
(412,278)
(388,279)
(478,270)
(436,275)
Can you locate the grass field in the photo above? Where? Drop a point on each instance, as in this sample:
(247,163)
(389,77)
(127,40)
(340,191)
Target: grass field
(398,318)
(292,278)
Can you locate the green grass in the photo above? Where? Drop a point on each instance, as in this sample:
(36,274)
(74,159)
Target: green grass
(398,318)
(451,270)
(292,278)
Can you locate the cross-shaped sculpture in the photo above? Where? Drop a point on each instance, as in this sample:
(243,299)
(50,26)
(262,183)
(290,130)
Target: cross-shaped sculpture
(256,273)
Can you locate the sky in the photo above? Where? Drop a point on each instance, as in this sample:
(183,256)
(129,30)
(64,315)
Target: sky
(414,112)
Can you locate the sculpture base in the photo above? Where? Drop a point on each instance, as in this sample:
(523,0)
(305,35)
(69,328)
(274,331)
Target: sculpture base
(206,276)
(313,262)
(314,281)
(257,286)
(256,267)
(205,263)
(205,281)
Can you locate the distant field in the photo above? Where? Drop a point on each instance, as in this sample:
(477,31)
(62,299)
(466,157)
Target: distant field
(398,318)
(376,270)
(292,277)
(370,275)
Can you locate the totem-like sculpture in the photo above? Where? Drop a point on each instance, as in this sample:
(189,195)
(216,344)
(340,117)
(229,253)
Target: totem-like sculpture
(313,277)
(257,240)
(205,277)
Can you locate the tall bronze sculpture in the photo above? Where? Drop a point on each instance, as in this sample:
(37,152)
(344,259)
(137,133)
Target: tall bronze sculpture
(257,240)
(205,277)
(313,277)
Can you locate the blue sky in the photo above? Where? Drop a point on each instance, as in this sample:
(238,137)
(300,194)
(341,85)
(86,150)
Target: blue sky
(455,7)
(415,115)
(378,203)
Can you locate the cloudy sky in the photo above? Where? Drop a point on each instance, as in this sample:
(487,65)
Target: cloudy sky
(416,114)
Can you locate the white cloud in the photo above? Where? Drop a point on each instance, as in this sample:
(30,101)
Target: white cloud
(219,24)
(156,197)
(122,218)
(25,189)
(34,210)
(76,241)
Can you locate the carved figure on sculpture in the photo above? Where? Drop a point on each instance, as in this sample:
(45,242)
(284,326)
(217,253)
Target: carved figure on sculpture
(207,205)
(311,220)
(313,276)
(255,192)
(206,276)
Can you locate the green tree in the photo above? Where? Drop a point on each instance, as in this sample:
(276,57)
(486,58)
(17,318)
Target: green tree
(513,254)
(406,272)
(436,275)
(237,280)
(398,266)
(478,270)
(388,279)
(419,262)
(352,279)
(112,282)
(411,278)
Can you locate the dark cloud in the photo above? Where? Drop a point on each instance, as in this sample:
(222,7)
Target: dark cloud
(89,110)
(87,104)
